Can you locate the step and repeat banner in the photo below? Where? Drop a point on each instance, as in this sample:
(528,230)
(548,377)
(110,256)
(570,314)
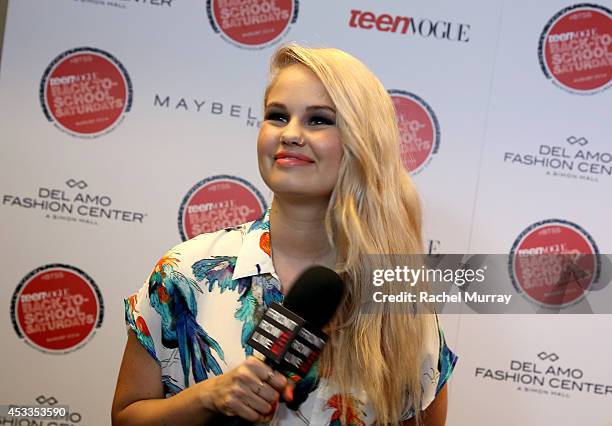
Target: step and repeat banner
(128,126)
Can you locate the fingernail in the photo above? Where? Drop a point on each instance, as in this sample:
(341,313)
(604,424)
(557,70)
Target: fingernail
(290,394)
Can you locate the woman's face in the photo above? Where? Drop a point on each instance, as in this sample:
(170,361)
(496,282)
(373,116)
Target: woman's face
(298,147)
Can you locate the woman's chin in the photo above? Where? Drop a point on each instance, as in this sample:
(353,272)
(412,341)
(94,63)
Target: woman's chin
(300,193)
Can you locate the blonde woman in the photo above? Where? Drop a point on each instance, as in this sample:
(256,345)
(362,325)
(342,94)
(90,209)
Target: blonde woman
(328,149)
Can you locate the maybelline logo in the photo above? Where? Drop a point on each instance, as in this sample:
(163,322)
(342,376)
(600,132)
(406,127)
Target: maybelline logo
(423,27)
(203,106)
(71,206)
(545,377)
(574,160)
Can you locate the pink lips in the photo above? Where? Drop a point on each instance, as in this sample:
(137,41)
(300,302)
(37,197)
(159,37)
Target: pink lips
(285,158)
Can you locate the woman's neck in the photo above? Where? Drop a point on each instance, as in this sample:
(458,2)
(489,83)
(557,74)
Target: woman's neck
(297,230)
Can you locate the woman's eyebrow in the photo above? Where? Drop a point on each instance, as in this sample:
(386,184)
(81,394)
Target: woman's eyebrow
(309,108)
(321,107)
(276,105)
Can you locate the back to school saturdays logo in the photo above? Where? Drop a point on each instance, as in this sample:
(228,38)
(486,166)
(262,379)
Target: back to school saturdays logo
(85,92)
(575,48)
(253,24)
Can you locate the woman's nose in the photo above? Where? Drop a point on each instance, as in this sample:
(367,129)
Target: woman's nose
(292,141)
(292,133)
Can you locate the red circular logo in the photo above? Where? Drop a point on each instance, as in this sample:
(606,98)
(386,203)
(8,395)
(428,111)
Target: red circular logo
(86,92)
(554,263)
(254,23)
(418,128)
(219,202)
(575,48)
(56,308)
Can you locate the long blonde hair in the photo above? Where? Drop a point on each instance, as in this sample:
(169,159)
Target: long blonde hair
(374,209)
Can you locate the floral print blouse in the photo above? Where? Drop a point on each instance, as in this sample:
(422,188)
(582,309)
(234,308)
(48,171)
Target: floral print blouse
(201,303)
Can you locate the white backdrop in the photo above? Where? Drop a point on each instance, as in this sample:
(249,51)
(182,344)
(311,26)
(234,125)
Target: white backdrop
(195,101)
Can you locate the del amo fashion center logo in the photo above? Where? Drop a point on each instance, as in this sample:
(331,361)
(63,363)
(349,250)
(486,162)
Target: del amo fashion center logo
(203,106)
(124,4)
(553,263)
(423,27)
(545,375)
(73,203)
(218,202)
(85,92)
(576,159)
(575,48)
(419,130)
(56,308)
(252,24)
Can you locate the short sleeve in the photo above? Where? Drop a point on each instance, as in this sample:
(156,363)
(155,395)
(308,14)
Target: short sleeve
(446,360)
(143,319)
(436,369)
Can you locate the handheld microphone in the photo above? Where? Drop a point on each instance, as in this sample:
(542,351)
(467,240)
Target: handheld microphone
(290,335)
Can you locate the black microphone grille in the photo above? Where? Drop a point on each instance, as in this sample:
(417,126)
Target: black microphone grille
(316,295)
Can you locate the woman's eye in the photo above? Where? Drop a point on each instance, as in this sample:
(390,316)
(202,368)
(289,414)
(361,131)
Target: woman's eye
(317,120)
(276,116)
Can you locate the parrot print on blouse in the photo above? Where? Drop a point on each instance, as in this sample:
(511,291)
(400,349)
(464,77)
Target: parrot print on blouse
(218,270)
(264,243)
(138,324)
(172,295)
(262,291)
(262,223)
(253,299)
(352,414)
(303,385)
(170,386)
(446,362)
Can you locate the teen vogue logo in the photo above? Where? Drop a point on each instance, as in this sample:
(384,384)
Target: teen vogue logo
(423,27)
(86,92)
(553,263)
(219,202)
(252,24)
(419,130)
(575,48)
(57,308)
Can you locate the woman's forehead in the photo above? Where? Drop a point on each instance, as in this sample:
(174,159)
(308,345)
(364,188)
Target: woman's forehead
(298,82)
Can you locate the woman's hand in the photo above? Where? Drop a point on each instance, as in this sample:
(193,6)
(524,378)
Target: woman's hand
(250,390)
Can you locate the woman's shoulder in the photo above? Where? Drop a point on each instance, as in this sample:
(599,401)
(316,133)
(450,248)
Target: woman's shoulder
(224,242)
